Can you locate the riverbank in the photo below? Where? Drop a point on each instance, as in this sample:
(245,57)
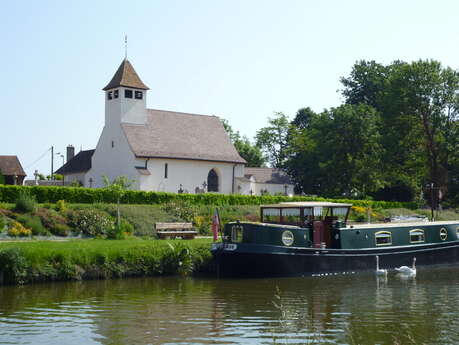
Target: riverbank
(39,261)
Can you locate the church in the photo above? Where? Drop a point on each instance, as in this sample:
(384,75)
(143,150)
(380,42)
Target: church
(162,150)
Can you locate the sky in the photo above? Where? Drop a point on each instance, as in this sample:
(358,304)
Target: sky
(241,60)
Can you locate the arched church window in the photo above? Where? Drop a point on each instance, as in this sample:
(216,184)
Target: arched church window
(212,181)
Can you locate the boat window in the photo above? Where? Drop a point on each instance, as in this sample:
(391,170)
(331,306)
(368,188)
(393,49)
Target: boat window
(383,238)
(271,215)
(417,236)
(340,212)
(318,211)
(443,234)
(457,232)
(236,233)
(291,216)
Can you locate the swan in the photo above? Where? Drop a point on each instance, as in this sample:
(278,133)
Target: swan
(409,271)
(379,271)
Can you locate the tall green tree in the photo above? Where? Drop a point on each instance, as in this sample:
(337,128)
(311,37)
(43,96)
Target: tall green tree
(418,106)
(338,153)
(251,153)
(273,139)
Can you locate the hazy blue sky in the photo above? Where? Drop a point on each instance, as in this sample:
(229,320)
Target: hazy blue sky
(241,60)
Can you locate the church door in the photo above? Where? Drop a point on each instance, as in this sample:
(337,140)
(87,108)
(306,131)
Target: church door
(212,181)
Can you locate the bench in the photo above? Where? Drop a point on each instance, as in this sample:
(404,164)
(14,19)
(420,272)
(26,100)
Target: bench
(173,230)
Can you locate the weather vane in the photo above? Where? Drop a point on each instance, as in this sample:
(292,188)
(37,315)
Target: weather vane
(125,46)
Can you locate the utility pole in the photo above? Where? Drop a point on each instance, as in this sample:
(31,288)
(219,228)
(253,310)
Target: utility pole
(52,163)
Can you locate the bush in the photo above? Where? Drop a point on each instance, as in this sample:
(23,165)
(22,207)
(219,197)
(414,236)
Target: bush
(126,229)
(18,230)
(14,266)
(34,223)
(45,194)
(2,223)
(60,229)
(90,222)
(25,202)
(61,206)
(182,210)
(53,221)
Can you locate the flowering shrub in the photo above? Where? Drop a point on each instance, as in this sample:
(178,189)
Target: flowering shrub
(53,221)
(90,222)
(18,230)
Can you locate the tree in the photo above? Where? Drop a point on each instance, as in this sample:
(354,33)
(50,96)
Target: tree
(118,188)
(251,153)
(418,105)
(338,153)
(2,178)
(272,140)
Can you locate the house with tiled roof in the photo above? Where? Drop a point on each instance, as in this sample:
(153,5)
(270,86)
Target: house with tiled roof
(159,150)
(12,170)
(258,181)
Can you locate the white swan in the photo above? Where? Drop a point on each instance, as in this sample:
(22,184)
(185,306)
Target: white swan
(379,271)
(409,271)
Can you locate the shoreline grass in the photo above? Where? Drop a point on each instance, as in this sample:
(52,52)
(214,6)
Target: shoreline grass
(38,261)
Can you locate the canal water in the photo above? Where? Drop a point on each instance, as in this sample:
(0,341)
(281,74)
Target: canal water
(343,309)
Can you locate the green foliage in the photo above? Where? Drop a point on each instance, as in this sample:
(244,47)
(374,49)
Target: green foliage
(61,206)
(56,177)
(25,202)
(122,232)
(341,148)
(89,259)
(273,139)
(2,178)
(53,221)
(99,195)
(90,222)
(14,266)
(181,210)
(16,229)
(251,153)
(33,222)
(2,223)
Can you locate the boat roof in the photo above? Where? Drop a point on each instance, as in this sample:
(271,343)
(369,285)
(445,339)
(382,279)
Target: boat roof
(307,204)
(383,226)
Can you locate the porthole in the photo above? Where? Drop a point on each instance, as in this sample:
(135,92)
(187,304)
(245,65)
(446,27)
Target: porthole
(443,234)
(287,238)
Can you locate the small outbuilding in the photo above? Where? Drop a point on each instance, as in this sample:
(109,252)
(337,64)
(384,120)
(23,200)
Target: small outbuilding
(12,170)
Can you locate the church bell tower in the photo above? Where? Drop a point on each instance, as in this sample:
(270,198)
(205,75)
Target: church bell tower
(125,97)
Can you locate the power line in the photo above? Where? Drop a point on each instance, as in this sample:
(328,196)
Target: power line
(38,159)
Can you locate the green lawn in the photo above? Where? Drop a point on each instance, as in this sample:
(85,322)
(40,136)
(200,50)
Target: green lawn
(29,261)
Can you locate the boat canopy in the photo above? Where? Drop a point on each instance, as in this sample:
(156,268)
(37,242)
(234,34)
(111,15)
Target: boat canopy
(300,213)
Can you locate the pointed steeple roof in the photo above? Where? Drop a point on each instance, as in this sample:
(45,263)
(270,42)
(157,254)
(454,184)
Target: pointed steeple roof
(126,76)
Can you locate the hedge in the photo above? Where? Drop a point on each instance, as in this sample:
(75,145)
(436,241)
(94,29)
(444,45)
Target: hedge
(44,194)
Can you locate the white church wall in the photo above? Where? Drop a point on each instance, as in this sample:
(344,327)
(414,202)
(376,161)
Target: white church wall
(189,173)
(113,157)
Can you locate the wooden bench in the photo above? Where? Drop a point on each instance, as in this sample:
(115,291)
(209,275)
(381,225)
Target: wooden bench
(174,230)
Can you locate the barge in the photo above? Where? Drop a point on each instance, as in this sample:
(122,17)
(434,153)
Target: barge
(308,238)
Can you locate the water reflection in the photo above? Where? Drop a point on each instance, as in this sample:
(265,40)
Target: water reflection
(357,309)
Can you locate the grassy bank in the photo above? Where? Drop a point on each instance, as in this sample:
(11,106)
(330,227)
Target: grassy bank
(35,261)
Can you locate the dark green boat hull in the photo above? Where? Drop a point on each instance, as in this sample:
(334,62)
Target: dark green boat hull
(251,260)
